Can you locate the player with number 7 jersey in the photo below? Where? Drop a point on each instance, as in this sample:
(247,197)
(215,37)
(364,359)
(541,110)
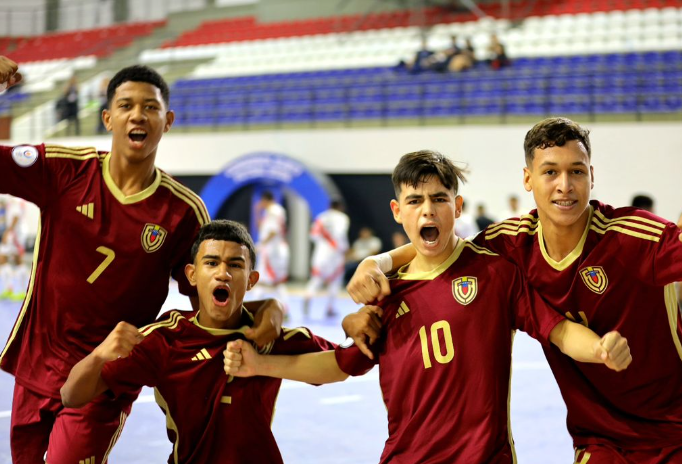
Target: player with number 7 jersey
(100,256)
(113,229)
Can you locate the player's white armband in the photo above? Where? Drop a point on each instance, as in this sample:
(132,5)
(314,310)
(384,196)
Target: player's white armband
(384,261)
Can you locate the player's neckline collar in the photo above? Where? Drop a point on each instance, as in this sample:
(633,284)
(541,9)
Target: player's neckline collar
(442,267)
(118,194)
(573,255)
(247,321)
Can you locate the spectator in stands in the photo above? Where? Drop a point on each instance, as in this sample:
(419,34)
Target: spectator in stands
(421,60)
(103,104)
(644,202)
(70,99)
(440,61)
(367,244)
(482,220)
(463,60)
(498,55)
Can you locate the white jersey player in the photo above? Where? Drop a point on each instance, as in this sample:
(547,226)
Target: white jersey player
(272,260)
(329,233)
(13,272)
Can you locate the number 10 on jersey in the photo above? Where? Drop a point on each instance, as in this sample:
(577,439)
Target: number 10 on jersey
(438,355)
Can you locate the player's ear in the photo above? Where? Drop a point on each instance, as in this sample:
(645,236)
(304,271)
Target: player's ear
(591,177)
(170,118)
(190,272)
(395,207)
(106,119)
(459,201)
(253,279)
(527,184)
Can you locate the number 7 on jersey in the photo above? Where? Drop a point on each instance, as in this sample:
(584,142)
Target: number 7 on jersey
(109,257)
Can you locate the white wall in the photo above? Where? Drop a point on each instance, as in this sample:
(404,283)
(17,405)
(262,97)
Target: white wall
(628,158)
(151,10)
(77,14)
(22,17)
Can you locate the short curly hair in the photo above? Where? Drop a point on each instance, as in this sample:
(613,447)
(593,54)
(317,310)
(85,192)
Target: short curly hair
(228,231)
(138,73)
(553,132)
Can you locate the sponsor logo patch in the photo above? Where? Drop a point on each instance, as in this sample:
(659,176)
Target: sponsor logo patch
(153,237)
(595,278)
(24,155)
(465,289)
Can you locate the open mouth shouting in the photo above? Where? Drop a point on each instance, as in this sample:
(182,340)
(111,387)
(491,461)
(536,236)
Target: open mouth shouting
(137,137)
(221,295)
(429,234)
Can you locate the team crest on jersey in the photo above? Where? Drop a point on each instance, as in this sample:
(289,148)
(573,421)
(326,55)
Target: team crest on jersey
(153,237)
(465,289)
(595,278)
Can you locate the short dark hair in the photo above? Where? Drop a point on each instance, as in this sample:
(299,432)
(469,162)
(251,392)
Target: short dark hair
(417,167)
(336,204)
(553,132)
(228,231)
(267,195)
(643,202)
(138,73)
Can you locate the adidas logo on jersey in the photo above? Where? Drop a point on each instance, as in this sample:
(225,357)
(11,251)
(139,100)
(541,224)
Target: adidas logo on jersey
(87,210)
(402,310)
(202,355)
(90,460)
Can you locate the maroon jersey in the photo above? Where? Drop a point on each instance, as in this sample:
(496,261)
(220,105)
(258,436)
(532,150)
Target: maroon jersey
(445,356)
(619,277)
(211,417)
(100,257)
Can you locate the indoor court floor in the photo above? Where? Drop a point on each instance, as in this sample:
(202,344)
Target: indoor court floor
(341,423)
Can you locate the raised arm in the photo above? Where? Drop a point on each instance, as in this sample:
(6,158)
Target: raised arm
(583,345)
(241,360)
(369,283)
(9,74)
(85,381)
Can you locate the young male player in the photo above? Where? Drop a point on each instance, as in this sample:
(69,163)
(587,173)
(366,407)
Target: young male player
(445,353)
(113,229)
(211,417)
(609,269)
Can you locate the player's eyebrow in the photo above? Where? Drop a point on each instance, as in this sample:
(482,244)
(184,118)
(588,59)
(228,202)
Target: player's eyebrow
(554,163)
(414,196)
(217,258)
(146,100)
(439,195)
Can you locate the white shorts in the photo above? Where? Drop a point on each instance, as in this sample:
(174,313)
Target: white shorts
(272,263)
(328,266)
